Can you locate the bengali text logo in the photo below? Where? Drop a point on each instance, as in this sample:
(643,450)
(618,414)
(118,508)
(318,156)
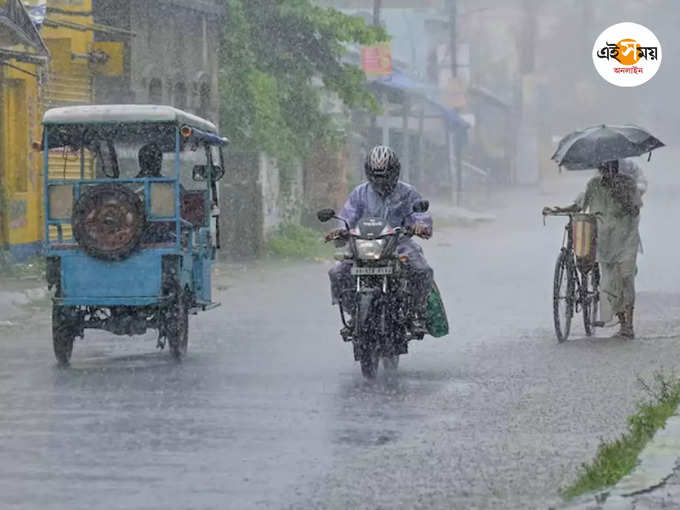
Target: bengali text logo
(627,54)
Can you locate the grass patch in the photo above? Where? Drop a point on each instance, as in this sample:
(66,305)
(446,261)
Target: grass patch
(616,459)
(297,242)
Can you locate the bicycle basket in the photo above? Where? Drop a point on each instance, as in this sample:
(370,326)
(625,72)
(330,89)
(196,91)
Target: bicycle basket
(585,239)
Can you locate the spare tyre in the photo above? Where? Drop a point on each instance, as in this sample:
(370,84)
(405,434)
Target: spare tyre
(108,221)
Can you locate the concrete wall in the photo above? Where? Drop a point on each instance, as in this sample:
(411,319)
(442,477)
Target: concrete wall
(325,182)
(281,192)
(256,197)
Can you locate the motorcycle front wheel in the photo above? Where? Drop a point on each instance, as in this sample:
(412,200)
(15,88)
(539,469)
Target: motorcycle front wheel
(369,363)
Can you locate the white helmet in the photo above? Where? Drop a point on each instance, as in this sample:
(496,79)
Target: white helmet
(382,169)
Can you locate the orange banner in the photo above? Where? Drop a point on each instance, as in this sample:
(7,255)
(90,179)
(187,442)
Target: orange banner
(376,60)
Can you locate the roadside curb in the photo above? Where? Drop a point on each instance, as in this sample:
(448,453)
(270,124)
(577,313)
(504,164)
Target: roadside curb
(658,461)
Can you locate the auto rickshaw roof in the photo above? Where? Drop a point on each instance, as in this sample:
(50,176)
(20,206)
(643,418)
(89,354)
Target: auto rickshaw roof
(121,114)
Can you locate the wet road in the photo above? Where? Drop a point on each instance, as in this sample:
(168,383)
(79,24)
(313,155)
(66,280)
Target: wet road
(269,410)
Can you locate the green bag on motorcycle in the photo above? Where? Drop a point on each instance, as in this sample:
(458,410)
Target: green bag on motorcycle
(437,322)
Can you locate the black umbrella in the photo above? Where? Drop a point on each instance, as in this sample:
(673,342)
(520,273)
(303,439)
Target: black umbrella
(592,146)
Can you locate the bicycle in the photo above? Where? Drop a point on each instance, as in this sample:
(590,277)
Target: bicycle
(577,275)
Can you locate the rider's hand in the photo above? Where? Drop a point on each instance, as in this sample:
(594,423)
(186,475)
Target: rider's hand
(335,234)
(548,210)
(420,230)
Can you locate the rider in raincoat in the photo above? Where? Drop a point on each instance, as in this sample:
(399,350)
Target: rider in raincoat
(616,199)
(384,196)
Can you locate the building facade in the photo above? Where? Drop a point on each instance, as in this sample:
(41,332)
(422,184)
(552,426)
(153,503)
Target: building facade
(171,57)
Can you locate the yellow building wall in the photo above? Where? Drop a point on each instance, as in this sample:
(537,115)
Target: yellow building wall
(21,177)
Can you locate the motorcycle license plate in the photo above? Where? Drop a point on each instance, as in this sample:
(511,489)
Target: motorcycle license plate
(372,271)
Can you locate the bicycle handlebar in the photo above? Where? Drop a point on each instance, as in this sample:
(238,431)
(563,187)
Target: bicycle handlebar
(570,214)
(560,213)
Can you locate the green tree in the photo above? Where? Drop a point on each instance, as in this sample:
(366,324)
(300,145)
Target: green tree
(280,60)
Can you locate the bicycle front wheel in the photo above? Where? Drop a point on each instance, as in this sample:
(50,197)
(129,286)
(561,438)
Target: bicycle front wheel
(564,289)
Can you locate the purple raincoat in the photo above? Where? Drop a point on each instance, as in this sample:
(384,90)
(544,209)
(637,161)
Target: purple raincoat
(396,208)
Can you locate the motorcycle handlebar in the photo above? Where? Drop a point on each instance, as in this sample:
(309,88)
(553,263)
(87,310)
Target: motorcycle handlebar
(343,234)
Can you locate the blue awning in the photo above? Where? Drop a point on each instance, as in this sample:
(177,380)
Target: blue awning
(401,81)
(454,118)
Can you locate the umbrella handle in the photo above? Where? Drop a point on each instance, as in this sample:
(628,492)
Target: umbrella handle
(649,157)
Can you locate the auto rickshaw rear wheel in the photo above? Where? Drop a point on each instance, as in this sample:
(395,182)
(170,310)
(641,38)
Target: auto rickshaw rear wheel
(64,332)
(108,221)
(176,322)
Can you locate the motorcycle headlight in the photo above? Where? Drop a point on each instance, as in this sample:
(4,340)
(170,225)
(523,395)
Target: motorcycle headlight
(343,253)
(369,250)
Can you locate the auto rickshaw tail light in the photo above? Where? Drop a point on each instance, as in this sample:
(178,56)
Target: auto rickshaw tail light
(186,131)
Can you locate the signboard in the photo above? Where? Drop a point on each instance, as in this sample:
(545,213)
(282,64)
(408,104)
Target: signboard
(376,60)
(454,93)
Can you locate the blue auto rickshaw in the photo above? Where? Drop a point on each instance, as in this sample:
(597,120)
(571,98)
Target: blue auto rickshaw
(131,223)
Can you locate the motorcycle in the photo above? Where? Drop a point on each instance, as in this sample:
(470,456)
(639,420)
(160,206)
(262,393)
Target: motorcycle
(378,325)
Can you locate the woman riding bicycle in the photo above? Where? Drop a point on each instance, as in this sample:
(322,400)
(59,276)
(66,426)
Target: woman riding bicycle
(615,198)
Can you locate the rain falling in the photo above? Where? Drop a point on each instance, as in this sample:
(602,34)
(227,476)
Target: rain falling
(339,254)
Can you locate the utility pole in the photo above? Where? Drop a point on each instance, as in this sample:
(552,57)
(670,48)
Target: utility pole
(453,34)
(376,22)
(526,158)
(455,141)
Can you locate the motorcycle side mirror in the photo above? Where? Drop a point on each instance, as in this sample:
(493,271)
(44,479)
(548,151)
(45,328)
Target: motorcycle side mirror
(421,206)
(325,215)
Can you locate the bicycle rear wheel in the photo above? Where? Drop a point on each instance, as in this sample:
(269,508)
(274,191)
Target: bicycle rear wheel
(564,288)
